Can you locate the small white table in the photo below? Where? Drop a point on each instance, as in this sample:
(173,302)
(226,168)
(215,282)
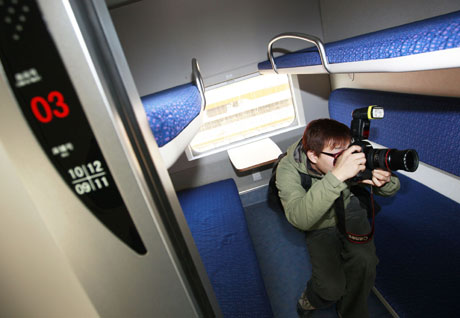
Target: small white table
(254,155)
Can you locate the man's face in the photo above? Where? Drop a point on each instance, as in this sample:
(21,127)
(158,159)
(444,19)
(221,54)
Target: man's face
(324,162)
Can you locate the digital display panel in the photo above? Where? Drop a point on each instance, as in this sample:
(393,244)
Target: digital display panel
(48,100)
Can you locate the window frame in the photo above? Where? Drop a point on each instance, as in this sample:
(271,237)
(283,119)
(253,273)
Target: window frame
(299,120)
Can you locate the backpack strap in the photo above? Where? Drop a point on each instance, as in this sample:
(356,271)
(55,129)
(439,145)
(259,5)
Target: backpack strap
(305,180)
(273,196)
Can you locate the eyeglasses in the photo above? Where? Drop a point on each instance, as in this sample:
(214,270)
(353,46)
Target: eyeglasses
(333,155)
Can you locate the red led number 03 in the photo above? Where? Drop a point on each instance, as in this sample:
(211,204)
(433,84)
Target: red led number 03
(44,112)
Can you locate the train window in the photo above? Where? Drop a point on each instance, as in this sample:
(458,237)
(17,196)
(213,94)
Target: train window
(243,111)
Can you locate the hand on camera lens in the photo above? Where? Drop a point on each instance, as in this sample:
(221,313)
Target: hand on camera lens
(380,177)
(349,163)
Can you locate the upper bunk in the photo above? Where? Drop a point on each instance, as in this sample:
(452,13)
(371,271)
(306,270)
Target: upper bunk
(423,45)
(175,115)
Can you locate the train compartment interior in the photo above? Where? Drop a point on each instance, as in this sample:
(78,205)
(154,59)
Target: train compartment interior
(284,267)
(186,107)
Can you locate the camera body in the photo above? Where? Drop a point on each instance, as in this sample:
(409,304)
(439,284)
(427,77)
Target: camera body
(387,159)
(366,147)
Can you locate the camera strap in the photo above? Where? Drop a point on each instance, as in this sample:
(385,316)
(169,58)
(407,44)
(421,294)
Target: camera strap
(352,237)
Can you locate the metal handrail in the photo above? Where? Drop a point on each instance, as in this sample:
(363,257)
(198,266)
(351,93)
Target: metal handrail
(299,36)
(198,80)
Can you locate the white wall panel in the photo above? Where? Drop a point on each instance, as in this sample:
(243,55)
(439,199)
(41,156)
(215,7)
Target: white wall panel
(343,19)
(228,38)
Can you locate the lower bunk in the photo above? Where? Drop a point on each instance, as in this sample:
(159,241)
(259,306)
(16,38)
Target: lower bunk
(416,230)
(419,251)
(216,219)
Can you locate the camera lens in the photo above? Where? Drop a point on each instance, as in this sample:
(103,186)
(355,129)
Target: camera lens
(393,159)
(406,160)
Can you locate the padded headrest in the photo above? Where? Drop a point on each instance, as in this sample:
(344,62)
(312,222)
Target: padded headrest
(428,124)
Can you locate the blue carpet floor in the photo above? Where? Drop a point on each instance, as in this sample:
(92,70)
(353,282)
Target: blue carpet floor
(283,258)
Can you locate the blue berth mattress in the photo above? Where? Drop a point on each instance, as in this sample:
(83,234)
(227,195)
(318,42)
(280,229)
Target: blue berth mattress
(429,124)
(416,233)
(434,34)
(216,220)
(417,241)
(170,111)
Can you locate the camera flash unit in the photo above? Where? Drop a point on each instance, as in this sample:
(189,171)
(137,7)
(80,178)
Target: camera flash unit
(375,112)
(370,112)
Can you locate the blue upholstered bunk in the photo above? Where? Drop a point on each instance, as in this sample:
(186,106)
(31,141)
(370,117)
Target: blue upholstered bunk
(416,231)
(175,115)
(423,45)
(216,220)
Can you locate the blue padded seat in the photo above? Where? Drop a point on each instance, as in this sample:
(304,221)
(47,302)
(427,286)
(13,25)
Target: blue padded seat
(417,241)
(434,34)
(216,220)
(170,111)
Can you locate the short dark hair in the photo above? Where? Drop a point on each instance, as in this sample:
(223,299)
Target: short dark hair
(325,132)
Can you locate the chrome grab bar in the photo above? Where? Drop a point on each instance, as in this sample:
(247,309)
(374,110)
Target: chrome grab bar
(299,36)
(198,80)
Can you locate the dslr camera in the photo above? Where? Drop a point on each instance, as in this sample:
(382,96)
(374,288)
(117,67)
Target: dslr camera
(387,159)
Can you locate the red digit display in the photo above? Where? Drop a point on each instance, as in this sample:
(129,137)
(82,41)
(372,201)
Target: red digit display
(59,102)
(42,110)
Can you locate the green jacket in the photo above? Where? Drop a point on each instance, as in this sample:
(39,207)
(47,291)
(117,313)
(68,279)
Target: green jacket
(314,209)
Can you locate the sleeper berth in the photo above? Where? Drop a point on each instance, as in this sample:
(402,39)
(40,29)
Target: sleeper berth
(423,45)
(216,219)
(175,115)
(416,231)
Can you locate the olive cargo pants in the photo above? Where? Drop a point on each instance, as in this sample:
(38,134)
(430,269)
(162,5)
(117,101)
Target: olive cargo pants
(342,272)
